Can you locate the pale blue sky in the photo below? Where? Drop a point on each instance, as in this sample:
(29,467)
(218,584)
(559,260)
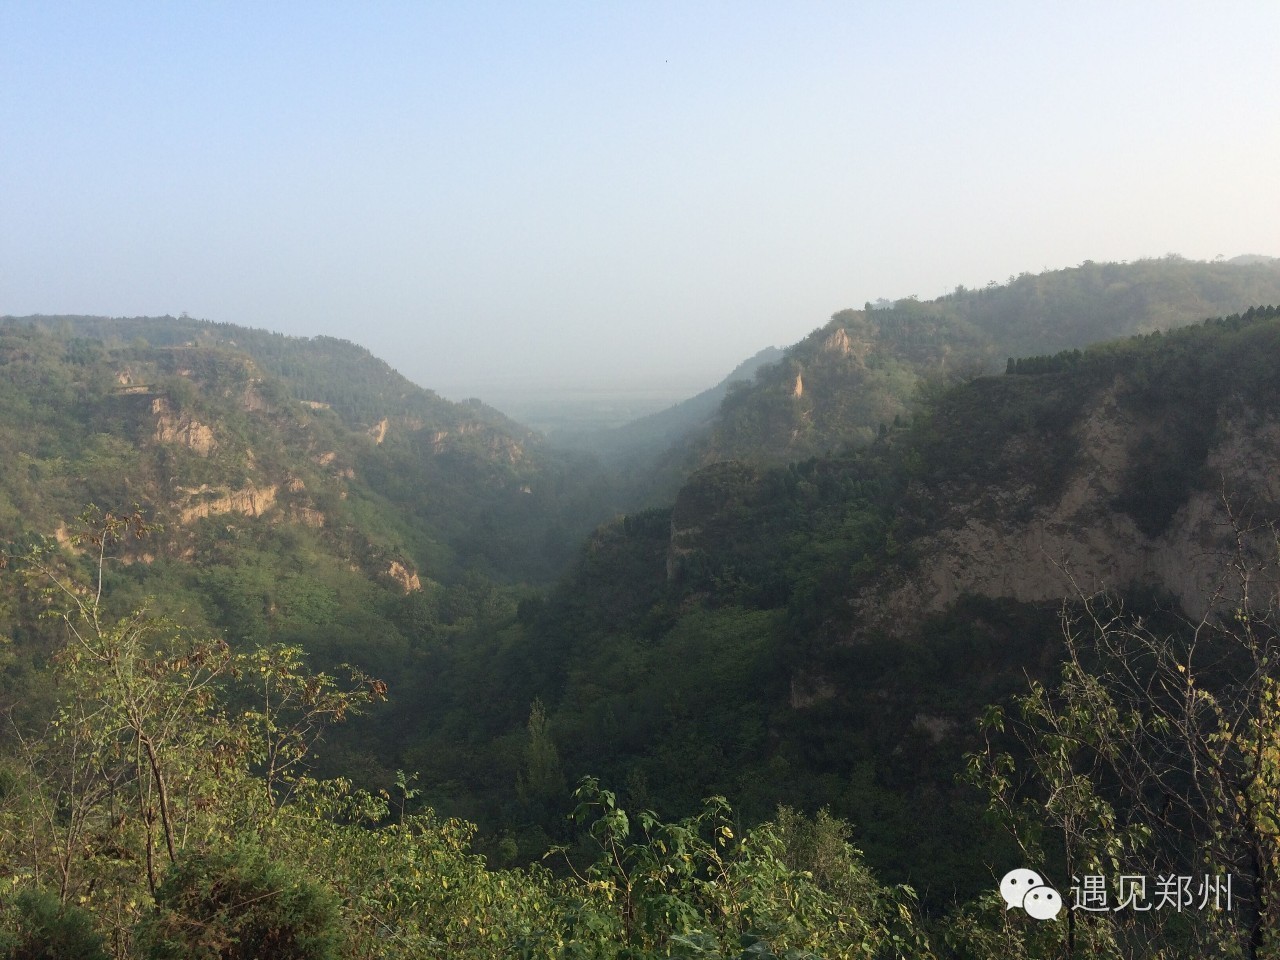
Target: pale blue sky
(642,194)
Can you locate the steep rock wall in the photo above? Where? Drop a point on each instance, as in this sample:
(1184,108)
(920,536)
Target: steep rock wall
(1081,542)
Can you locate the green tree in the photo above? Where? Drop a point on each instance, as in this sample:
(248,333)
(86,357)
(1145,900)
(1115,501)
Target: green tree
(541,784)
(695,888)
(142,759)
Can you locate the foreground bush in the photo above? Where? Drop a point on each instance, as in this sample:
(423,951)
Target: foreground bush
(240,905)
(35,926)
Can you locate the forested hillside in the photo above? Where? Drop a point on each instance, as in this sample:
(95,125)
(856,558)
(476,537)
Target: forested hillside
(859,372)
(297,490)
(196,420)
(731,729)
(827,633)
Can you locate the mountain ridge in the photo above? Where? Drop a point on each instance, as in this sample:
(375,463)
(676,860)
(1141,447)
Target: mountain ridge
(744,639)
(217,409)
(863,368)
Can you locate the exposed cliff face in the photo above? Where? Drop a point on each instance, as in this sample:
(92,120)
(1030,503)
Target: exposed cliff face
(192,420)
(1080,541)
(252,400)
(838,343)
(406,579)
(172,427)
(251,501)
(307,516)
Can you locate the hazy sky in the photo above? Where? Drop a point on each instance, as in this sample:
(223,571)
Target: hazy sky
(639,193)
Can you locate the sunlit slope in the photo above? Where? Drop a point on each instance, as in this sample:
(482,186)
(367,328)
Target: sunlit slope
(210,426)
(863,368)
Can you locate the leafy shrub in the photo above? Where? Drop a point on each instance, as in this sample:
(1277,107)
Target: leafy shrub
(239,904)
(34,925)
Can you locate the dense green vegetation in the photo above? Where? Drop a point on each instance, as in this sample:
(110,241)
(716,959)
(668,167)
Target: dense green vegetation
(438,486)
(166,811)
(714,736)
(717,644)
(361,530)
(862,370)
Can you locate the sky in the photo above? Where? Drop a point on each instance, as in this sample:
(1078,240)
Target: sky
(498,197)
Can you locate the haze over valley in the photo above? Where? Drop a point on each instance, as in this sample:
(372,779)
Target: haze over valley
(639,483)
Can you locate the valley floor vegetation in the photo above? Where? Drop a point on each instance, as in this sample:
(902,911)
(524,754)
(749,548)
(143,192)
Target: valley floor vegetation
(164,809)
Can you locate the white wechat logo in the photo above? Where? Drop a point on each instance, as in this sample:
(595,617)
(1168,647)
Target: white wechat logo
(1027,889)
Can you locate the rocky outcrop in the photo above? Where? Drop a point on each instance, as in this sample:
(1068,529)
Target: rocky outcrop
(173,427)
(407,579)
(505,449)
(205,501)
(495,445)
(1080,542)
(837,343)
(252,399)
(936,728)
(379,431)
(681,544)
(840,344)
(440,438)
